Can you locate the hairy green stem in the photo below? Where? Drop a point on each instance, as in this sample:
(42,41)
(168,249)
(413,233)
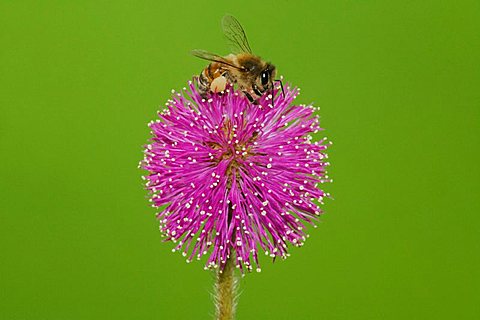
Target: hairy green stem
(225,292)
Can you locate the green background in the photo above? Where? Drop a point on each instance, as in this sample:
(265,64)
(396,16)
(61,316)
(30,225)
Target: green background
(398,86)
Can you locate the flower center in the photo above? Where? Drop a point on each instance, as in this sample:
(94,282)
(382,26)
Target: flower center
(233,148)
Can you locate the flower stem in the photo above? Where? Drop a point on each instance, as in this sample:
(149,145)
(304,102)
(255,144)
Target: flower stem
(225,288)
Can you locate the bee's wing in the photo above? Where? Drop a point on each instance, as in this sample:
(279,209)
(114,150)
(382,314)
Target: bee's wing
(202,54)
(235,34)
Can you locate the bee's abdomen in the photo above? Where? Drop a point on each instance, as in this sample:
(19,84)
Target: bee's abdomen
(210,73)
(203,83)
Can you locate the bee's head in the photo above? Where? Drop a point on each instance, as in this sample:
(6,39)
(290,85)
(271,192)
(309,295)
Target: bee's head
(266,76)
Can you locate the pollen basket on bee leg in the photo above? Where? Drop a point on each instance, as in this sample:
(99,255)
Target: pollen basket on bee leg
(218,84)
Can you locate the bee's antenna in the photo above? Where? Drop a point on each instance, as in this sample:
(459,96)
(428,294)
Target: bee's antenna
(281,86)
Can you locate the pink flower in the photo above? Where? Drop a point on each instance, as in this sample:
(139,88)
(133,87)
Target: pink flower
(233,178)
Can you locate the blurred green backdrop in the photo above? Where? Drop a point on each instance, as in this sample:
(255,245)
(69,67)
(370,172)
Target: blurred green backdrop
(398,86)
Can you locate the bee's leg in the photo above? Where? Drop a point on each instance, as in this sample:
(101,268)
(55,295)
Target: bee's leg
(229,77)
(249,97)
(257,90)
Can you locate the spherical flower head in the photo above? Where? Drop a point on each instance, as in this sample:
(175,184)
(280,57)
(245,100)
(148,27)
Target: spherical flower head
(234,178)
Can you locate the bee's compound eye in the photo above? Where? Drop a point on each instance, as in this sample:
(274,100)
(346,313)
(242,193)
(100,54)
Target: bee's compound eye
(264,76)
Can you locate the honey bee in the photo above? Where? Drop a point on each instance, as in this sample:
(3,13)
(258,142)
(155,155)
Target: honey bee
(249,72)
